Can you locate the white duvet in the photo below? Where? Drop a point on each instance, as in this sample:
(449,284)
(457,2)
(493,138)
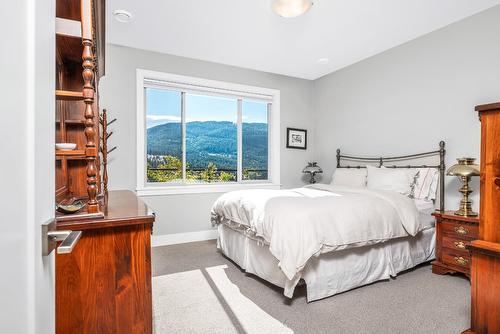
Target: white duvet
(305,222)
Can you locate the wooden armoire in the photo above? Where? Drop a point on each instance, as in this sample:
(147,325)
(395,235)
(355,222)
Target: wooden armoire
(103,284)
(79,66)
(485,252)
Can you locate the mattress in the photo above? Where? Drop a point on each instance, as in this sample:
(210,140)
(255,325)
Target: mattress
(334,272)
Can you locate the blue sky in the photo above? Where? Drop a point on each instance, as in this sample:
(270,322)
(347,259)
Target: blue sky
(164,106)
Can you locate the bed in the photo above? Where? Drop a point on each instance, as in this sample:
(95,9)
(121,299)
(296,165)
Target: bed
(339,236)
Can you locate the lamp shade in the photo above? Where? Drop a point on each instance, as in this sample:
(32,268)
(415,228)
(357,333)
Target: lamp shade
(465,167)
(312,168)
(291,8)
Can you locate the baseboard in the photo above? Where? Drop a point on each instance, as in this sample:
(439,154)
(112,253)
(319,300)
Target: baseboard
(182,238)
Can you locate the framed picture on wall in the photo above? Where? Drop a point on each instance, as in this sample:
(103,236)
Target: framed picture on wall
(296,138)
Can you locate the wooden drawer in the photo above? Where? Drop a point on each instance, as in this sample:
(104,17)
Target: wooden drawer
(456,259)
(460,230)
(453,235)
(457,245)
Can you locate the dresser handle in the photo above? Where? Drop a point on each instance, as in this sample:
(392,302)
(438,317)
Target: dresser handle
(459,244)
(461,261)
(461,230)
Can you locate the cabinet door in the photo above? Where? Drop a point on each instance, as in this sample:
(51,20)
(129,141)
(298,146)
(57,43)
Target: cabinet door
(104,285)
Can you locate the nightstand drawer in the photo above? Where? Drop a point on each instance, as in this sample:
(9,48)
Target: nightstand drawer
(453,235)
(460,230)
(454,259)
(456,244)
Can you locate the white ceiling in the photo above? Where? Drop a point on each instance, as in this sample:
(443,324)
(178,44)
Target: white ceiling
(248,34)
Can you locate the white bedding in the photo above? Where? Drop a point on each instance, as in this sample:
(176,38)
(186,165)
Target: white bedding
(335,272)
(305,222)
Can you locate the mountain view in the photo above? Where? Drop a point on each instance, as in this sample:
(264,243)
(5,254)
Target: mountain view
(211,151)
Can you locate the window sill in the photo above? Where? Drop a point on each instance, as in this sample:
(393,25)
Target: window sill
(202,188)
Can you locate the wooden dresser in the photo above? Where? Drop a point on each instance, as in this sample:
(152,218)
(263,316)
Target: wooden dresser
(104,284)
(485,252)
(453,234)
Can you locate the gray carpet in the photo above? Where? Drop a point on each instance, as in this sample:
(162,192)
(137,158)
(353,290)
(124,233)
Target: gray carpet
(416,301)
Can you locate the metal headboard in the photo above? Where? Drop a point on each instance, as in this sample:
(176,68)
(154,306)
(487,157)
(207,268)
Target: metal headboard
(383,160)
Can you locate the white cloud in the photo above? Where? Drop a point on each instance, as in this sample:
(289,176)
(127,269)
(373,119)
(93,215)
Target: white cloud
(168,118)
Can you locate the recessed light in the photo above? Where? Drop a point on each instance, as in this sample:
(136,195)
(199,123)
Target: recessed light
(323,61)
(291,8)
(122,15)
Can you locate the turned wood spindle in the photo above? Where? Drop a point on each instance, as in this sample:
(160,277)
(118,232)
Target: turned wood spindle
(90,133)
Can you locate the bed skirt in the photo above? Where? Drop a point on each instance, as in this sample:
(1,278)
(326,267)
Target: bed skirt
(333,272)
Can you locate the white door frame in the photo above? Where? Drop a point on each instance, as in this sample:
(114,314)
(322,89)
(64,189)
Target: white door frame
(27,86)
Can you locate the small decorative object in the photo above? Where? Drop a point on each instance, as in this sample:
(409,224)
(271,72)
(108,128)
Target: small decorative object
(65,146)
(296,138)
(312,169)
(75,206)
(465,169)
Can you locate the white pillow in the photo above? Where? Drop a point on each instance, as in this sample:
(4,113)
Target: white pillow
(349,177)
(427,183)
(388,179)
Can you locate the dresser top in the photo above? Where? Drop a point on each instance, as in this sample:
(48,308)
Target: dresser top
(450,215)
(123,208)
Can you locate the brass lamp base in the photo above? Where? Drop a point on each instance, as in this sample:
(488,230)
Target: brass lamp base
(466,213)
(464,170)
(465,209)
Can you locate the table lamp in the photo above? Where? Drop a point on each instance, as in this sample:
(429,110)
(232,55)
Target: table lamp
(312,169)
(464,170)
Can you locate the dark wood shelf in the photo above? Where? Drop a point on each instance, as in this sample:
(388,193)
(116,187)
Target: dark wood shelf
(69,153)
(72,121)
(71,157)
(67,95)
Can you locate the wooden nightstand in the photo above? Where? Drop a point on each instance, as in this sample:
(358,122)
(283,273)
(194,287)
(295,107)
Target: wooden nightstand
(453,234)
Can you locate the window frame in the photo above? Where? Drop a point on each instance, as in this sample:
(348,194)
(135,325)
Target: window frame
(148,78)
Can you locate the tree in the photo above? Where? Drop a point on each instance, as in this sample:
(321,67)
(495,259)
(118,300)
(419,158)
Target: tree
(226,177)
(168,168)
(210,173)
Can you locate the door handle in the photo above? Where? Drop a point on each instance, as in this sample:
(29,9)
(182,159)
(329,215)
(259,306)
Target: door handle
(50,237)
(68,238)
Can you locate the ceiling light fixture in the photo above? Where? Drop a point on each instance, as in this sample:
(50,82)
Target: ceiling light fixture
(291,8)
(122,15)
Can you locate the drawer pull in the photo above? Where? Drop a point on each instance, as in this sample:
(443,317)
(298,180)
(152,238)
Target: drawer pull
(459,244)
(461,261)
(461,230)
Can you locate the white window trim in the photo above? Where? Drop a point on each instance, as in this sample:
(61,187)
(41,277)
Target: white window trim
(145,189)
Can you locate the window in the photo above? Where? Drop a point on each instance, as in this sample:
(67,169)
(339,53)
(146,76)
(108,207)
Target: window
(255,140)
(197,135)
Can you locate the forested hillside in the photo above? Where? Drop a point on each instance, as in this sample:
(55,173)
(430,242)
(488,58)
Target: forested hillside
(211,151)
(211,142)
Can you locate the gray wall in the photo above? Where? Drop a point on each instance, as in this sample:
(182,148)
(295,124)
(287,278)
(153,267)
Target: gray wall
(402,101)
(409,98)
(175,213)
